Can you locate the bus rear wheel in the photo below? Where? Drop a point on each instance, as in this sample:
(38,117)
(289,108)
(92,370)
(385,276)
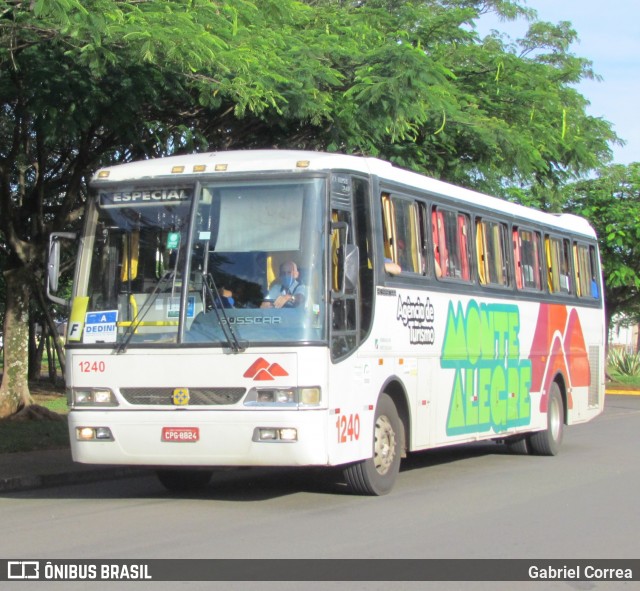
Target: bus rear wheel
(377,475)
(547,442)
(183,480)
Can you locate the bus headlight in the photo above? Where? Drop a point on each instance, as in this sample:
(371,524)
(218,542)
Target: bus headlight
(91,397)
(94,434)
(275,434)
(309,396)
(276,396)
(293,397)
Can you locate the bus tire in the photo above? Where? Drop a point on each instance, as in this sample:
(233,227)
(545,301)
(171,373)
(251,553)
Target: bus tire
(377,475)
(547,442)
(183,480)
(518,445)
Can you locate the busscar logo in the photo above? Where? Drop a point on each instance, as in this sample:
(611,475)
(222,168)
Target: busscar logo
(23,569)
(261,371)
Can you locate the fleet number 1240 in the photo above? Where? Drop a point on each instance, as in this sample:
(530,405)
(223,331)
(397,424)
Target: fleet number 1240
(348,428)
(92,366)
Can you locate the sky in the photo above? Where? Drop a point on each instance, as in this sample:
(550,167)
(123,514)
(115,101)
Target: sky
(609,36)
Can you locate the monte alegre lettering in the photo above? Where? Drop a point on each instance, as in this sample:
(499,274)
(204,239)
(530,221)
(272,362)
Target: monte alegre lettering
(491,383)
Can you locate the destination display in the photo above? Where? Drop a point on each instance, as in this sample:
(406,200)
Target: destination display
(127,198)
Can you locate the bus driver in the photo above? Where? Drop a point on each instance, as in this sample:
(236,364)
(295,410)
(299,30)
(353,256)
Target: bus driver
(287,292)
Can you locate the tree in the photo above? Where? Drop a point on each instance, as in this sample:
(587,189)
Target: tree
(611,202)
(85,84)
(427,93)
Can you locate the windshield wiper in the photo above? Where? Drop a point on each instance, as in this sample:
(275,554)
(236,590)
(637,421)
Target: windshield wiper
(223,318)
(135,323)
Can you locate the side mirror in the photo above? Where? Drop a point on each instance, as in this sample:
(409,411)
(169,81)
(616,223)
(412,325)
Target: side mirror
(53,264)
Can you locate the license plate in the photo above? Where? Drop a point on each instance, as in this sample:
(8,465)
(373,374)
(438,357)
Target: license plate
(180,434)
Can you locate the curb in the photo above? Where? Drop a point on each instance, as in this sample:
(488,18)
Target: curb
(623,392)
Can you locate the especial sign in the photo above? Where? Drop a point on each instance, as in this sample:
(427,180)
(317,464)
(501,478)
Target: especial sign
(144,197)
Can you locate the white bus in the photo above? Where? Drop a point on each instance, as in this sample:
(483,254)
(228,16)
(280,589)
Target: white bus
(284,308)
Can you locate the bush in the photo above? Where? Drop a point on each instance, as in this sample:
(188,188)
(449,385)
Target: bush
(623,362)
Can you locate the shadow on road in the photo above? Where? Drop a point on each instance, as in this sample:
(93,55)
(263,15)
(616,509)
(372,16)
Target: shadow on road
(252,484)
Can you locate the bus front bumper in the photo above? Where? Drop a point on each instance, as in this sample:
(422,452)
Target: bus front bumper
(199,438)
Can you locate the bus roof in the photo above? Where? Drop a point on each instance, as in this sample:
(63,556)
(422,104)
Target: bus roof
(242,161)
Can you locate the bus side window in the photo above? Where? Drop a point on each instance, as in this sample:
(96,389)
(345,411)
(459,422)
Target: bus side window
(500,242)
(439,243)
(558,264)
(567,285)
(418,238)
(403,235)
(527,248)
(517,259)
(450,231)
(586,283)
(537,260)
(492,253)
(481,252)
(387,224)
(436,248)
(579,275)
(463,246)
(422,235)
(593,264)
(552,267)
(451,243)
(408,235)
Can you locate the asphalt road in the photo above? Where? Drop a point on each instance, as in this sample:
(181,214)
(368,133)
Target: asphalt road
(474,501)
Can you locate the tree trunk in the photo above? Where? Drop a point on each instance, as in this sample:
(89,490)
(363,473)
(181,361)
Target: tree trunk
(14,390)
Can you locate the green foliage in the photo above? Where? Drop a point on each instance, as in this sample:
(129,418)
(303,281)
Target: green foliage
(432,96)
(623,382)
(624,362)
(406,80)
(95,82)
(611,201)
(57,404)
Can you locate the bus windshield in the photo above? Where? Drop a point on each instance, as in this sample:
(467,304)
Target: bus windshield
(253,254)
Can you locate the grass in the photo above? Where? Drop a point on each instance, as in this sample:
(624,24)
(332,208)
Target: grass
(621,382)
(55,404)
(32,435)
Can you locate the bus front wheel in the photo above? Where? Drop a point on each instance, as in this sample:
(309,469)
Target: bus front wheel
(376,475)
(547,442)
